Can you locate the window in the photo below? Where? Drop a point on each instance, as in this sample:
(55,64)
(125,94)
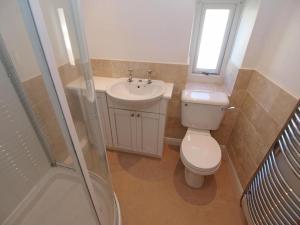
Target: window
(213,30)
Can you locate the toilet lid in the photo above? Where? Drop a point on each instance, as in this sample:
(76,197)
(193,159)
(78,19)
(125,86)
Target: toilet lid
(201,151)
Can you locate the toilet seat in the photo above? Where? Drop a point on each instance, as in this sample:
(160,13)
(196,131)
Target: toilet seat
(200,152)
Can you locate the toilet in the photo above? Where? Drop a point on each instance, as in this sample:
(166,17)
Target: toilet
(201,112)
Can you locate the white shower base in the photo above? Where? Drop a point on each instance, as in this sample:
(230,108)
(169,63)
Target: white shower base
(60,199)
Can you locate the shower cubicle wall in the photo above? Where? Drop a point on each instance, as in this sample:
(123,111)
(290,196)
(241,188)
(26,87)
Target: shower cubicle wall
(53,166)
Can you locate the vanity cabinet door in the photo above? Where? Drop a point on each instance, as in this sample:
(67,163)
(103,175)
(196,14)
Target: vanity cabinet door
(123,126)
(104,117)
(139,132)
(150,129)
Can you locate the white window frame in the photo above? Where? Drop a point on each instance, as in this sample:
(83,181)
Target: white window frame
(201,6)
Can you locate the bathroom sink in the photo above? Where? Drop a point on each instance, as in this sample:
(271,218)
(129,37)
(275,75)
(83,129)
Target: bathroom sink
(139,91)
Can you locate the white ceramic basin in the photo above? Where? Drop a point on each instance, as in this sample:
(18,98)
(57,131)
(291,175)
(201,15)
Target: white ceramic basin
(137,91)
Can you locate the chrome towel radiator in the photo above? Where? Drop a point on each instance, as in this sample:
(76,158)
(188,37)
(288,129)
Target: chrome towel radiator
(273,194)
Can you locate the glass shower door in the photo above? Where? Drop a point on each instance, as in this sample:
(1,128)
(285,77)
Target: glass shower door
(46,66)
(34,189)
(62,36)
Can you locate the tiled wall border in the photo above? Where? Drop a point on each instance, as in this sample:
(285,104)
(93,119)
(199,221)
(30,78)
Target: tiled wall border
(262,108)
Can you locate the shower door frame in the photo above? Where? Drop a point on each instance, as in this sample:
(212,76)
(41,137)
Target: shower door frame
(47,48)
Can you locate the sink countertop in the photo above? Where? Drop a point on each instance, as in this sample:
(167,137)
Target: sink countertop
(101,83)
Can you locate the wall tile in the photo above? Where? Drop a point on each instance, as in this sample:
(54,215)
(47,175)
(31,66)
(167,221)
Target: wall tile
(252,109)
(35,89)
(282,107)
(241,167)
(243,79)
(263,91)
(263,108)
(240,88)
(178,88)
(44,112)
(171,73)
(245,142)
(120,68)
(68,73)
(42,107)
(261,120)
(222,135)
(174,129)
(237,98)
(174,108)
(101,67)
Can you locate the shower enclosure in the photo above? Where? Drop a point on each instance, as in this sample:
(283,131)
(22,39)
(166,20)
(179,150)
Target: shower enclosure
(53,165)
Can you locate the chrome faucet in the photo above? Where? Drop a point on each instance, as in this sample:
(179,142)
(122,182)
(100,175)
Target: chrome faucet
(130,75)
(149,73)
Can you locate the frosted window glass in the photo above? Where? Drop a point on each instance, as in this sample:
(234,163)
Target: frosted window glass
(212,38)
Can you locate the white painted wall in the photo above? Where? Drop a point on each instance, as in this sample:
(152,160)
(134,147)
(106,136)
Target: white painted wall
(16,38)
(12,30)
(274,48)
(247,21)
(139,30)
(159,31)
(49,9)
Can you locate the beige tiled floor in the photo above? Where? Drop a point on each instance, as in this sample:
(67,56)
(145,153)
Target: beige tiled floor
(153,192)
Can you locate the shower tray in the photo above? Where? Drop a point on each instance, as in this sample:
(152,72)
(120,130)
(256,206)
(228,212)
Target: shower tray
(59,198)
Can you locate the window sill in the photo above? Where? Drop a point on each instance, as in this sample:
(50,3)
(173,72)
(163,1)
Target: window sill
(196,77)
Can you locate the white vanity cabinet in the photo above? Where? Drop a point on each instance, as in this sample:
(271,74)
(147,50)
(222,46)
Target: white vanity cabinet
(136,131)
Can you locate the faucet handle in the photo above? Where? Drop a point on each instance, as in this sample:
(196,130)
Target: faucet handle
(130,75)
(149,73)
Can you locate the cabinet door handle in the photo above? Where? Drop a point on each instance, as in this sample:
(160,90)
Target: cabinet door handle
(132,115)
(138,115)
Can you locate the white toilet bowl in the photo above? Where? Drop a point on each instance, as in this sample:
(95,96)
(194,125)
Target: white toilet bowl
(201,155)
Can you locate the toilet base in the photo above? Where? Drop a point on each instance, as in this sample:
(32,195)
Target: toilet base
(192,179)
